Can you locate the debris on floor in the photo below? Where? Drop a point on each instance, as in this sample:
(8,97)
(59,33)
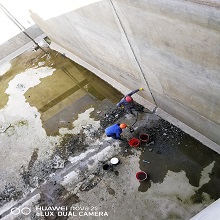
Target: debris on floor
(57,154)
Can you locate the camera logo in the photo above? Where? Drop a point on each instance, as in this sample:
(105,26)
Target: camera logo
(24,211)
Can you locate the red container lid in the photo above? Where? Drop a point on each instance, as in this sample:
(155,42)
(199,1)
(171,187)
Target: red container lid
(141,175)
(134,142)
(144,137)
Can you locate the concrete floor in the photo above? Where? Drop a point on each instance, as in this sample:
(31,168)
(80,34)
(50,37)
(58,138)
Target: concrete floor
(53,114)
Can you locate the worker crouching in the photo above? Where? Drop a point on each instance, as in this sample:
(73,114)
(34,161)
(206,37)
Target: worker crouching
(115,131)
(128,103)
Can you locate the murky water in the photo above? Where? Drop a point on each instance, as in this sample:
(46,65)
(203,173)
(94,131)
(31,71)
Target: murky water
(176,151)
(70,90)
(18,65)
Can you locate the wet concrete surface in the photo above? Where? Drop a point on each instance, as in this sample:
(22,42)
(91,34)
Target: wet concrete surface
(59,98)
(171,149)
(62,100)
(75,107)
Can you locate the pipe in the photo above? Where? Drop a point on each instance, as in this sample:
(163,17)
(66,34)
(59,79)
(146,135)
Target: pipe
(19,25)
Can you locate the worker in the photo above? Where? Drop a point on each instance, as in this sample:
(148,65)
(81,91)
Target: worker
(114,131)
(127,101)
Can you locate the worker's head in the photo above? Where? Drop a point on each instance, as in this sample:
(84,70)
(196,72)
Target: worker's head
(122,126)
(128,99)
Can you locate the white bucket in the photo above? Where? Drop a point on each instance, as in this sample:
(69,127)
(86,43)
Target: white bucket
(114,160)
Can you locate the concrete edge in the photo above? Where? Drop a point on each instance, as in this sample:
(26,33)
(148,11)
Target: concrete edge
(21,50)
(210,3)
(209,213)
(203,139)
(112,82)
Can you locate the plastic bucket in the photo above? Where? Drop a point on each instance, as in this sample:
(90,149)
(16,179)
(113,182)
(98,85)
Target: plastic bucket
(114,161)
(144,137)
(106,167)
(134,142)
(141,175)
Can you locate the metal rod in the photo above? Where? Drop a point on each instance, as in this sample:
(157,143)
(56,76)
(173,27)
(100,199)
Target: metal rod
(19,25)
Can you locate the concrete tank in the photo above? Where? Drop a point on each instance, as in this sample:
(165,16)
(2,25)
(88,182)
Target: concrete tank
(169,47)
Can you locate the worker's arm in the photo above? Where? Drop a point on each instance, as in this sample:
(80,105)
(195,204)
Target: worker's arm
(121,103)
(133,92)
(118,133)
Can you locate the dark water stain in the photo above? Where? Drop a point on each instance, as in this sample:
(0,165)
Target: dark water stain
(71,145)
(110,191)
(56,195)
(177,151)
(174,216)
(116,173)
(197,198)
(8,193)
(34,157)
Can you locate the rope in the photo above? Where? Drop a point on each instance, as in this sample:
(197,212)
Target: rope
(135,120)
(133,52)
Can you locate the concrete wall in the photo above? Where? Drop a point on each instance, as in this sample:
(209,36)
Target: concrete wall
(209,213)
(169,47)
(19,43)
(12,40)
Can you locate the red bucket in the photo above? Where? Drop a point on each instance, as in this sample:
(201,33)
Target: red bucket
(144,137)
(141,175)
(134,142)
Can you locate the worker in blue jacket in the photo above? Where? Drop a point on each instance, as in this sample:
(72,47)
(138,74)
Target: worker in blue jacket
(127,101)
(115,130)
